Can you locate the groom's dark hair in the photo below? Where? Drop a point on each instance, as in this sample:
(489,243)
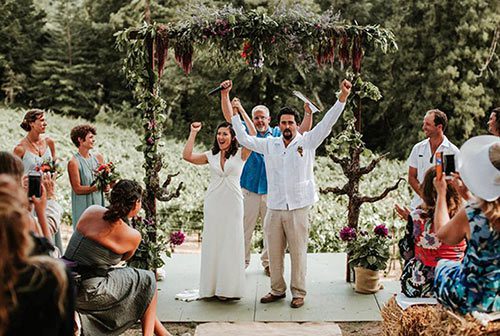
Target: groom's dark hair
(233,148)
(289,111)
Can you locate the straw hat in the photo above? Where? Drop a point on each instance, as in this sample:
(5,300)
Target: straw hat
(476,169)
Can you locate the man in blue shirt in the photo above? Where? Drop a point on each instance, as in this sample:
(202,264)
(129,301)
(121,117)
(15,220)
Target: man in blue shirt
(254,180)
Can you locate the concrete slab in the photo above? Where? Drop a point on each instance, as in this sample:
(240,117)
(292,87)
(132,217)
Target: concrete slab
(268,329)
(329,297)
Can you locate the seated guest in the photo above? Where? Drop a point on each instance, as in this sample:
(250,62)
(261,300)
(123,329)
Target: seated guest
(472,284)
(36,295)
(110,300)
(420,248)
(46,220)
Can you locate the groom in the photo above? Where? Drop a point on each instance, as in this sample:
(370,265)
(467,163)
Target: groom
(289,162)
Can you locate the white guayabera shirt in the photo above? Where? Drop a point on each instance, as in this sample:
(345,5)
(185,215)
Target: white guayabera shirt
(421,157)
(289,169)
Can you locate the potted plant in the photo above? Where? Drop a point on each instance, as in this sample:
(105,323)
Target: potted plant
(369,253)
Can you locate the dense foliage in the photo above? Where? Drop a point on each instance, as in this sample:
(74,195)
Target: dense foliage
(445,59)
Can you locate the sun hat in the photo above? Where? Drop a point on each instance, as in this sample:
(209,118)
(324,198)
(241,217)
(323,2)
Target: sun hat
(476,169)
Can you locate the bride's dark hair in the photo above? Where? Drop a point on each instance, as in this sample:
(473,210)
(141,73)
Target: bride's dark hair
(233,148)
(123,198)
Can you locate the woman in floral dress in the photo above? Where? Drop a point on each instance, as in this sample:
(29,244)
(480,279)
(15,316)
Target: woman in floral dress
(420,248)
(472,284)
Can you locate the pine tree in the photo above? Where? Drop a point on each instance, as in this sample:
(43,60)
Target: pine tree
(63,79)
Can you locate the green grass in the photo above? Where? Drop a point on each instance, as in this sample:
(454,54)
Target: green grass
(118,145)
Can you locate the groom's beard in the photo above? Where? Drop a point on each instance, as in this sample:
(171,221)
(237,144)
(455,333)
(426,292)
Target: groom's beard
(287,134)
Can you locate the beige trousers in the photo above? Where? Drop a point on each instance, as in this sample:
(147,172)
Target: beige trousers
(292,227)
(254,207)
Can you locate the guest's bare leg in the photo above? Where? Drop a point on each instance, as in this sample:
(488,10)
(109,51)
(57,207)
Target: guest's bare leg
(148,320)
(160,330)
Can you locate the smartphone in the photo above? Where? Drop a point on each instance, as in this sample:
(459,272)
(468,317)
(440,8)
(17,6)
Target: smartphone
(449,165)
(34,185)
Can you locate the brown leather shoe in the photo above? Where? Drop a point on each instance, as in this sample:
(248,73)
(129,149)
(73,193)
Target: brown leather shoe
(297,302)
(266,271)
(271,298)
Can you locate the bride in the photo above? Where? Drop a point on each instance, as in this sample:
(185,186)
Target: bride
(222,251)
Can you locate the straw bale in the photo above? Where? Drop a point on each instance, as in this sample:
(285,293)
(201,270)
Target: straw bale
(428,320)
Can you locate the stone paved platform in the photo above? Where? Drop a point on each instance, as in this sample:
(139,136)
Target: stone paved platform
(329,297)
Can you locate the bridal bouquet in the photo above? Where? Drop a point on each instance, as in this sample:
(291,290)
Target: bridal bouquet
(50,166)
(104,175)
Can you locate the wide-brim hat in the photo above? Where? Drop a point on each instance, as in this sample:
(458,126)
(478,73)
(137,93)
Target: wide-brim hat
(476,170)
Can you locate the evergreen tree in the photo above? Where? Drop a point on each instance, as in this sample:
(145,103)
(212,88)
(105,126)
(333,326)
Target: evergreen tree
(22,34)
(63,79)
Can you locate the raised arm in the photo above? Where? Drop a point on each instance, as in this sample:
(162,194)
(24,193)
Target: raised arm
(253,143)
(450,231)
(187,154)
(307,121)
(238,108)
(315,137)
(225,102)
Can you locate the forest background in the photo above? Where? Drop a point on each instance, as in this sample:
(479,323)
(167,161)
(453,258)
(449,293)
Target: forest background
(60,55)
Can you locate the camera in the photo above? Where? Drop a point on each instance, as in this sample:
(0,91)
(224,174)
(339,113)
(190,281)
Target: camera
(34,185)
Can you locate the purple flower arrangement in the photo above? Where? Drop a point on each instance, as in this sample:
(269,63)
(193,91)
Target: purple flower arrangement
(177,238)
(381,230)
(367,249)
(347,234)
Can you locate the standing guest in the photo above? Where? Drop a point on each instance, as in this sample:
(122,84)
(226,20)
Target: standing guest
(81,169)
(420,248)
(110,300)
(253,178)
(494,122)
(35,149)
(36,294)
(222,271)
(289,167)
(472,284)
(423,153)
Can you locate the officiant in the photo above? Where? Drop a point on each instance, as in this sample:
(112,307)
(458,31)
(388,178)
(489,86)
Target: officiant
(289,163)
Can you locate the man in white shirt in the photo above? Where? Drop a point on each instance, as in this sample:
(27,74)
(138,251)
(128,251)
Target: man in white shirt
(422,155)
(289,162)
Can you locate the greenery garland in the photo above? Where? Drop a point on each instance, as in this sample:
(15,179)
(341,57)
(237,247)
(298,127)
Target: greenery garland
(258,38)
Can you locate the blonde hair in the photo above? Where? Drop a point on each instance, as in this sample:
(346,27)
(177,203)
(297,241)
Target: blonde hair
(15,247)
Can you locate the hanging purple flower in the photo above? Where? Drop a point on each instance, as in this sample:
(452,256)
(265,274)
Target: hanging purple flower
(150,141)
(347,234)
(381,230)
(177,237)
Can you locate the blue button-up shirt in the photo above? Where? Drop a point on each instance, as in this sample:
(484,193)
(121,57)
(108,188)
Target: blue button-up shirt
(253,177)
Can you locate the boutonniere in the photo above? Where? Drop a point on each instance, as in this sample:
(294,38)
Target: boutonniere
(300,150)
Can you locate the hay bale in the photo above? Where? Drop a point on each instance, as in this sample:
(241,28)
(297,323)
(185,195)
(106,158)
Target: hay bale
(431,321)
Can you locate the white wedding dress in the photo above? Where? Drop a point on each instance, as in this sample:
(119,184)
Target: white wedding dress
(222,248)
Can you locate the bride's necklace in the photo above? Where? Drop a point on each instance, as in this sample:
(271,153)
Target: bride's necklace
(35,146)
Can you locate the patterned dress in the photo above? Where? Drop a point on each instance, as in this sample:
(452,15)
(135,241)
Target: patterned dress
(473,284)
(421,250)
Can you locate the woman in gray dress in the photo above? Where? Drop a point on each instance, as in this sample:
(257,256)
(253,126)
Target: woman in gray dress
(111,299)
(81,169)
